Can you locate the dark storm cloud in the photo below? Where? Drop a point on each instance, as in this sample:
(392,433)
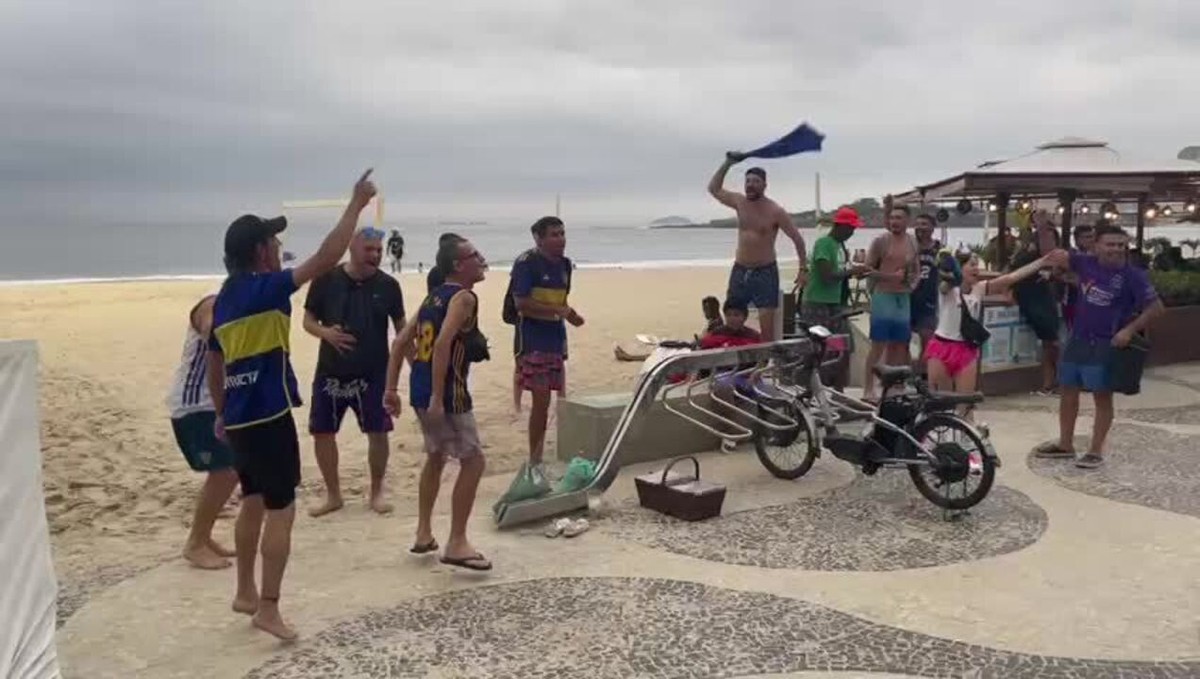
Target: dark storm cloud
(624,106)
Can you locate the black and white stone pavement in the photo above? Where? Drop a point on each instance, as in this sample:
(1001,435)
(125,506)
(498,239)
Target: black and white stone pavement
(877,523)
(1143,465)
(619,627)
(1060,572)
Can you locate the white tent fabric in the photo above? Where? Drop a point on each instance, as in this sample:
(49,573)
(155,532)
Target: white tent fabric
(28,587)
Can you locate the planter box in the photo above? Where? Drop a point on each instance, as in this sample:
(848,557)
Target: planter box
(1175,336)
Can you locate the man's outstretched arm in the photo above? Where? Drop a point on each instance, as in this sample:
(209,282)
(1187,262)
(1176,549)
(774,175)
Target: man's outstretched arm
(716,185)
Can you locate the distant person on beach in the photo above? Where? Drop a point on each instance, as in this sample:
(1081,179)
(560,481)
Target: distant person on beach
(192,418)
(541,283)
(924,311)
(1116,302)
(349,310)
(754,279)
(436,344)
(824,295)
(436,277)
(254,390)
(893,274)
(395,248)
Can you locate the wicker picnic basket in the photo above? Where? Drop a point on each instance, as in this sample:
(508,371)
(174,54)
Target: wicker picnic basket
(684,497)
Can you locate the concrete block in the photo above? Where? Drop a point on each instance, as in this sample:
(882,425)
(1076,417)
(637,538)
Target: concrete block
(585,424)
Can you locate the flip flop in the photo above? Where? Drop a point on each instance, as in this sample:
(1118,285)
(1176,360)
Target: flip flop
(431,546)
(575,528)
(470,563)
(1050,450)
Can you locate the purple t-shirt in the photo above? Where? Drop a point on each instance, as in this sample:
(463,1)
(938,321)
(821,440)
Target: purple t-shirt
(1108,297)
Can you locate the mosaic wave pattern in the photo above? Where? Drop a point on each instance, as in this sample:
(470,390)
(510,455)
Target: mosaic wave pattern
(877,523)
(618,627)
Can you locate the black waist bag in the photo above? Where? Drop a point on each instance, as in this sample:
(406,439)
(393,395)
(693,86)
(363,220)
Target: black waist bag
(475,346)
(970,328)
(1125,366)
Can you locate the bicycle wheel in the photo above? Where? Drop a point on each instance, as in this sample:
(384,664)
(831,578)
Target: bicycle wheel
(786,454)
(953,443)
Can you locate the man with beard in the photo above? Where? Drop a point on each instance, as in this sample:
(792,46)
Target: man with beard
(1116,303)
(349,309)
(754,279)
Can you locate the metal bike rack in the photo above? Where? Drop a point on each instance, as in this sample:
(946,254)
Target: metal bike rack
(740,433)
(515,513)
(757,374)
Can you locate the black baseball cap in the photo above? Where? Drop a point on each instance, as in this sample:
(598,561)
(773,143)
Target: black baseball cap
(245,234)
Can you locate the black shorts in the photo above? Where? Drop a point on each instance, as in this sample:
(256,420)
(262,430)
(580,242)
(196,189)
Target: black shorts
(267,459)
(1042,316)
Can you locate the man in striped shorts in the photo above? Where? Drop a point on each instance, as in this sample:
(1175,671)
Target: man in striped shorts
(192,418)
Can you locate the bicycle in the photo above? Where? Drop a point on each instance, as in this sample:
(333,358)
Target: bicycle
(893,434)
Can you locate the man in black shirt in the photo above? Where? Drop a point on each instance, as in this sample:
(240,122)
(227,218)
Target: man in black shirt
(348,309)
(395,246)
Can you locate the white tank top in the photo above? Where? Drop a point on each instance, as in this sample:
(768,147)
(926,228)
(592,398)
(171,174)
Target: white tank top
(189,392)
(950,311)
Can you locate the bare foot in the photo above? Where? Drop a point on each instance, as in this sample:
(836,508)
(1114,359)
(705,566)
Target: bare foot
(269,620)
(219,550)
(381,506)
(204,558)
(331,505)
(246,605)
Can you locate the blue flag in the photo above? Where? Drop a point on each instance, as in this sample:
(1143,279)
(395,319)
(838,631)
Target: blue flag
(799,140)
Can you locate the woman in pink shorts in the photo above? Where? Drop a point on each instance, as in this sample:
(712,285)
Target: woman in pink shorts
(952,360)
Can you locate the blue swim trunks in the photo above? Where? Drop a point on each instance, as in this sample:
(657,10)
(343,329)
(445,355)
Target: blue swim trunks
(1084,365)
(891,317)
(756,286)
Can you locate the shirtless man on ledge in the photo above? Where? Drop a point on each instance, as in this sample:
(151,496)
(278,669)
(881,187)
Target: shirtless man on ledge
(754,279)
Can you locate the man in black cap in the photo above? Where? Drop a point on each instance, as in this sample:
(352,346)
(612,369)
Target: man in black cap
(254,390)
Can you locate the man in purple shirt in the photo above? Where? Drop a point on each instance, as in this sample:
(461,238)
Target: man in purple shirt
(1115,302)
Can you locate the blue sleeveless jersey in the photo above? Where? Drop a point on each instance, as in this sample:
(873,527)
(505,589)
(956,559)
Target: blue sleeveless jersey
(430,318)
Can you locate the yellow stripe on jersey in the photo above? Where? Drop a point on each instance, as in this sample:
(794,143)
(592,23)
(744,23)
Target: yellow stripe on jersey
(254,335)
(556,296)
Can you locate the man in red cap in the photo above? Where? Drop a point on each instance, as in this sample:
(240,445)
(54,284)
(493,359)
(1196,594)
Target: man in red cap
(826,293)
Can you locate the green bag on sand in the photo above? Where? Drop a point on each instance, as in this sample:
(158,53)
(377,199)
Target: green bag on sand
(530,482)
(579,473)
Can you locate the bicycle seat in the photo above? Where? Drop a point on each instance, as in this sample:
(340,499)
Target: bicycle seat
(892,374)
(952,398)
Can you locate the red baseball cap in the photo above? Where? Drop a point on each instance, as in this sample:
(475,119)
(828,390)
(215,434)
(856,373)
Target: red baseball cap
(848,216)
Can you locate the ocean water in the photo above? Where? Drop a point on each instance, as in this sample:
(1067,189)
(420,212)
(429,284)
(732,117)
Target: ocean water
(116,251)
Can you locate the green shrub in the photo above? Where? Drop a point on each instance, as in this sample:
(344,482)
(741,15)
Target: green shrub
(1177,288)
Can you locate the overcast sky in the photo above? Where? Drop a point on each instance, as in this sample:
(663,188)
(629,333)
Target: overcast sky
(162,110)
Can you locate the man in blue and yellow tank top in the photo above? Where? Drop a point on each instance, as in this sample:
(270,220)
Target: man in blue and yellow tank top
(254,390)
(438,346)
(541,281)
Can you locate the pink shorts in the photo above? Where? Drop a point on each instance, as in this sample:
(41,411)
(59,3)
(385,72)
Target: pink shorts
(955,355)
(538,371)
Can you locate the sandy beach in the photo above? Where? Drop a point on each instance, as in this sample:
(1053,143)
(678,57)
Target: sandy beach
(118,489)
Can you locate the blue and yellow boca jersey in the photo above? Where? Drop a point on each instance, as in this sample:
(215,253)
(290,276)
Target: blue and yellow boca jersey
(430,318)
(251,329)
(547,281)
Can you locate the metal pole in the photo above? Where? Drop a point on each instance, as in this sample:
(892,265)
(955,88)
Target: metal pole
(1001,231)
(1067,199)
(1143,199)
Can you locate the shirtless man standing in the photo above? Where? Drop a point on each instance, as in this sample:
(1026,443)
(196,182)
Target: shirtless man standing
(894,273)
(754,279)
